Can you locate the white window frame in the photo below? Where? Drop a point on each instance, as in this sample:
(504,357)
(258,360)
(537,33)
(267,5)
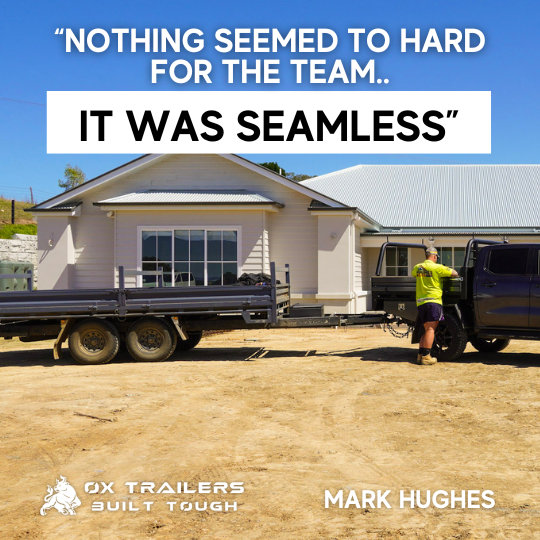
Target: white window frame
(237,228)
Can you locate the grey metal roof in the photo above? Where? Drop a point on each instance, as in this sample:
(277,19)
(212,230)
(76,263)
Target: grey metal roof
(478,233)
(172,196)
(66,207)
(424,196)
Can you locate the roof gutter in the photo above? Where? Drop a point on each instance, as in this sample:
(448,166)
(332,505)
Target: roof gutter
(218,203)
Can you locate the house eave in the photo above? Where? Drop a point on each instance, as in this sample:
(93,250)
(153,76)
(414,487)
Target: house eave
(268,207)
(73,211)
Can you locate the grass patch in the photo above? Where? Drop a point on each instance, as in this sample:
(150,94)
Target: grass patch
(7,231)
(20,215)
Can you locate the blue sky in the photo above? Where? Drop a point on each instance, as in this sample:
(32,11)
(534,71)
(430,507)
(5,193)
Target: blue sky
(33,61)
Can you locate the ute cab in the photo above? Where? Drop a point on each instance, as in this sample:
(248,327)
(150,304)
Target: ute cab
(495,298)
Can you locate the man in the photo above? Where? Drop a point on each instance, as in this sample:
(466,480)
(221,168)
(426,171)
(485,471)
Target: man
(429,301)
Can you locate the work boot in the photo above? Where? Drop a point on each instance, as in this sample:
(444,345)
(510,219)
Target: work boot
(427,360)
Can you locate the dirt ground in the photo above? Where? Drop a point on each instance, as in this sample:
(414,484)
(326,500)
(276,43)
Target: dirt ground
(290,414)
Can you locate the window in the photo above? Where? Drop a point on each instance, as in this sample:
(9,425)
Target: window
(397,261)
(190,256)
(453,257)
(508,261)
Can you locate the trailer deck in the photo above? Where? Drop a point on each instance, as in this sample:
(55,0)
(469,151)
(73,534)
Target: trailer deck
(181,311)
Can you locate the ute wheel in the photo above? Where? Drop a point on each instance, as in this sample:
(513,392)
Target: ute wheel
(94,341)
(151,339)
(487,345)
(192,341)
(450,339)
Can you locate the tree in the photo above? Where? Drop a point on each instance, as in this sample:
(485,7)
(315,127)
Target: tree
(273,166)
(298,177)
(73,177)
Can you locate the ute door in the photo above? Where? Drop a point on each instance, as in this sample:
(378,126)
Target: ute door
(503,286)
(534,313)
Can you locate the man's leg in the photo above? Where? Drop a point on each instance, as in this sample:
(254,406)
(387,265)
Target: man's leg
(426,342)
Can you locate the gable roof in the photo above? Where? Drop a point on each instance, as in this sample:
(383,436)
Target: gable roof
(447,196)
(149,159)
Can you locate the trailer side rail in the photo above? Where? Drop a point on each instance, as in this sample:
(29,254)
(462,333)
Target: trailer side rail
(251,303)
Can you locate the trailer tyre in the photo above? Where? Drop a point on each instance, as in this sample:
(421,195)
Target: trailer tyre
(192,341)
(450,339)
(94,341)
(487,345)
(151,339)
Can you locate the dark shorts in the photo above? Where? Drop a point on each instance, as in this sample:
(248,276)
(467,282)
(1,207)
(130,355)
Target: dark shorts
(430,312)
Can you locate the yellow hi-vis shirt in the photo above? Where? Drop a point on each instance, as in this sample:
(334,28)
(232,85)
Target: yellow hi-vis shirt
(428,281)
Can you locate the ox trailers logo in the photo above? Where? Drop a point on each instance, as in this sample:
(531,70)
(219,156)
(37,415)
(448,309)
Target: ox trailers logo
(65,499)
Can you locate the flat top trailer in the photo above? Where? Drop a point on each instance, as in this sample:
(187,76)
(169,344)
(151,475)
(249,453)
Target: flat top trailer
(150,320)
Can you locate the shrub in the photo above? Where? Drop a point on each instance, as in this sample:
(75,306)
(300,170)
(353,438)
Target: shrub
(7,231)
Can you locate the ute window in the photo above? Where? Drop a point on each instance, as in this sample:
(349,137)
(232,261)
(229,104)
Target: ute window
(508,261)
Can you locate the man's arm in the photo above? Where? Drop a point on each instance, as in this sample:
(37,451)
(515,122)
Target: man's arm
(444,271)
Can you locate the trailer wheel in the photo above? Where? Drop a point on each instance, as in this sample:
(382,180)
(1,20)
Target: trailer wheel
(151,339)
(94,341)
(487,345)
(192,341)
(450,339)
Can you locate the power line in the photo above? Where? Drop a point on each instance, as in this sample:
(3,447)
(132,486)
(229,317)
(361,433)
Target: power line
(26,189)
(22,101)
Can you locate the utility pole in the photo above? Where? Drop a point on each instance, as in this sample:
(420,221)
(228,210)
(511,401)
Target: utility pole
(31,195)
(13,211)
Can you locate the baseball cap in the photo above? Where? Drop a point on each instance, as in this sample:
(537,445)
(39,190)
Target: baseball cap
(431,251)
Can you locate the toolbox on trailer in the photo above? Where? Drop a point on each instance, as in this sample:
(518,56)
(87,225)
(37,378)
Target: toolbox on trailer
(306,310)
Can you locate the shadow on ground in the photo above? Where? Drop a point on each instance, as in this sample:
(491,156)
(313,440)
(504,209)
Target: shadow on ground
(44,357)
(396,354)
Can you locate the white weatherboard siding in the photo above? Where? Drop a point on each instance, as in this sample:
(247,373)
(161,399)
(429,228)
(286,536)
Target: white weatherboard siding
(361,291)
(293,240)
(94,248)
(336,263)
(357,262)
(265,243)
(291,232)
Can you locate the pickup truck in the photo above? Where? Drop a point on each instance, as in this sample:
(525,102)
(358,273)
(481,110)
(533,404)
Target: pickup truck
(496,298)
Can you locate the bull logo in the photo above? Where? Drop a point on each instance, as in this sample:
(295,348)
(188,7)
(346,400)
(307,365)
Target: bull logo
(65,499)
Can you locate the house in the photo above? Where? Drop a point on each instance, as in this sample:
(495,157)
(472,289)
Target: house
(440,205)
(205,219)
